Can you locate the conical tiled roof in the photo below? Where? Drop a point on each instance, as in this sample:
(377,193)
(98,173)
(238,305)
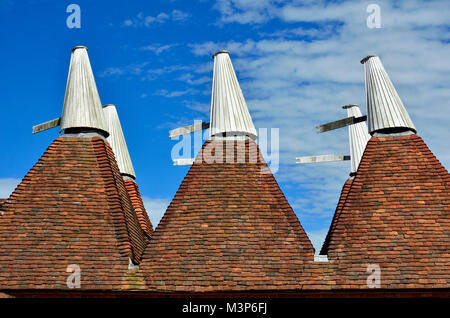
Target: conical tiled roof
(396,215)
(229,227)
(229,112)
(82,106)
(71,208)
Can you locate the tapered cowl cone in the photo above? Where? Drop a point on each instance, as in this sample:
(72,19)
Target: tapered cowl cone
(358,137)
(385,110)
(229,112)
(82,106)
(117,142)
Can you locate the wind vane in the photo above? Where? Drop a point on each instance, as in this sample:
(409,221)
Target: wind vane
(358,138)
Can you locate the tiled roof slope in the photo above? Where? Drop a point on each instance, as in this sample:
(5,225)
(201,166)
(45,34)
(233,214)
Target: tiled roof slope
(138,205)
(71,208)
(337,212)
(228,228)
(397,216)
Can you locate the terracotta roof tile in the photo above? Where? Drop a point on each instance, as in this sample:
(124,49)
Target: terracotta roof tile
(229,227)
(138,205)
(396,215)
(71,208)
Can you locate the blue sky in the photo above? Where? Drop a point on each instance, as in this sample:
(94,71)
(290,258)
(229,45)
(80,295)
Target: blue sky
(297,62)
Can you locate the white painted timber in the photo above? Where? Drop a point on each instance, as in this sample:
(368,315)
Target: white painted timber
(385,109)
(358,137)
(116,139)
(47,125)
(183,161)
(82,106)
(340,123)
(229,112)
(321,258)
(321,158)
(188,129)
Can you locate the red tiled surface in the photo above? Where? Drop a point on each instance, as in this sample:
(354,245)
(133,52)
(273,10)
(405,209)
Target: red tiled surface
(337,212)
(229,227)
(396,215)
(71,208)
(138,205)
(1,203)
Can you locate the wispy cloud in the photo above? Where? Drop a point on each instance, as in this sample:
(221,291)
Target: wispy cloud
(143,70)
(155,208)
(166,93)
(132,69)
(178,15)
(203,108)
(7,186)
(192,80)
(317,238)
(157,48)
(142,20)
(296,78)
(311,33)
(245,11)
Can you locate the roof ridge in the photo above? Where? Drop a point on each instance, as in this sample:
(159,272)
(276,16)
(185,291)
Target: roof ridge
(136,241)
(30,173)
(337,212)
(440,168)
(290,215)
(139,207)
(118,219)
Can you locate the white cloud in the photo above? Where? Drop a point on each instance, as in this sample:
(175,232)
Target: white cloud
(166,93)
(192,80)
(7,186)
(203,108)
(178,15)
(110,71)
(155,208)
(317,238)
(132,69)
(146,21)
(296,79)
(246,11)
(157,48)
